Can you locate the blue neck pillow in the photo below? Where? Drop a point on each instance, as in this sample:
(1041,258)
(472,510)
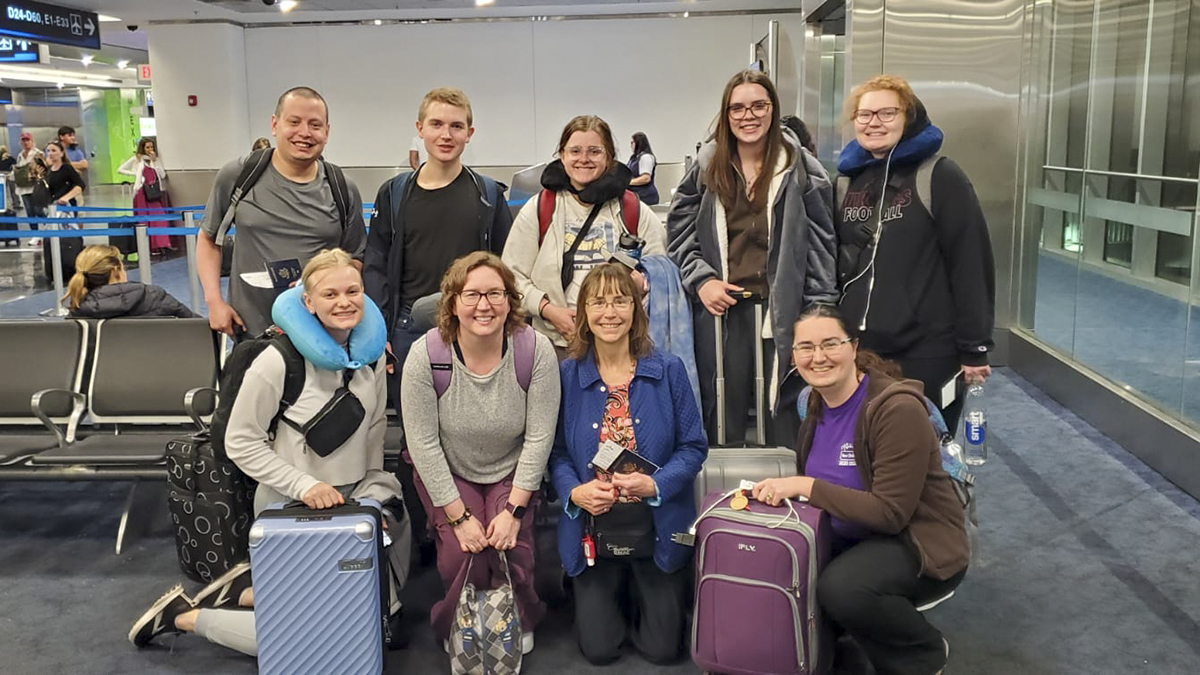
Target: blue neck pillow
(317,346)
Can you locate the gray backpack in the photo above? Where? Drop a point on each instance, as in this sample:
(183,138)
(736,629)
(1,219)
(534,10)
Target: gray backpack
(486,636)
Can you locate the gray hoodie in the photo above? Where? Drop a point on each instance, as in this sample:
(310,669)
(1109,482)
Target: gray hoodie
(802,249)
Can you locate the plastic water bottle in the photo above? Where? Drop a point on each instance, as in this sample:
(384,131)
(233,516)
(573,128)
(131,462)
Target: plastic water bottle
(975,426)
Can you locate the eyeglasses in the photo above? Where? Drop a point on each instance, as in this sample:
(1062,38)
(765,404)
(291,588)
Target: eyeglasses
(620,303)
(807,350)
(885,115)
(759,108)
(472,298)
(575,152)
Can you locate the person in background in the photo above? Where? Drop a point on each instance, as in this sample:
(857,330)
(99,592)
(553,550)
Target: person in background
(75,154)
(799,128)
(7,162)
(260,143)
(869,457)
(284,467)
(480,448)
(751,223)
(99,289)
(63,184)
(617,388)
(918,279)
(641,165)
(587,222)
(149,189)
(25,175)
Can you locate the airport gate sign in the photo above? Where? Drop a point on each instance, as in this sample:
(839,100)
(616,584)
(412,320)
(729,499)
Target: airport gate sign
(50,23)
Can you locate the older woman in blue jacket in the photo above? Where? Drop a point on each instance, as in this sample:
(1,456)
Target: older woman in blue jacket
(630,443)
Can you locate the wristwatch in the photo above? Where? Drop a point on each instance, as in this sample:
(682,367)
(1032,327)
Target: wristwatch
(517,512)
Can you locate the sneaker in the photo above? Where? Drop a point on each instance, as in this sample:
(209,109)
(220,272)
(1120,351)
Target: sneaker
(160,618)
(946,644)
(526,643)
(225,589)
(35,241)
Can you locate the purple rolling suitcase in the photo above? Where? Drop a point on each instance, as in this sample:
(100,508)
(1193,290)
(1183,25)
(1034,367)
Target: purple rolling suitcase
(318,606)
(756,604)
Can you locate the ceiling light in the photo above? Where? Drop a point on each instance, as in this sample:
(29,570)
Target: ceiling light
(87,59)
(287,5)
(484,3)
(378,22)
(685,14)
(104,18)
(61,85)
(123,64)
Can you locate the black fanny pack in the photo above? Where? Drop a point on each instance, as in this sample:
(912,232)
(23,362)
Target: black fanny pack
(335,422)
(626,532)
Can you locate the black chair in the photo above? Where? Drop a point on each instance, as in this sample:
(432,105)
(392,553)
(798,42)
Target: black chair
(42,385)
(141,371)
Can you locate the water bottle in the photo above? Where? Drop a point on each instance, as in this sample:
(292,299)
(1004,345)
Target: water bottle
(629,250)
(975,426)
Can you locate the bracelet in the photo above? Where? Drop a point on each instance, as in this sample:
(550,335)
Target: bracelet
(542,306)
(461,519)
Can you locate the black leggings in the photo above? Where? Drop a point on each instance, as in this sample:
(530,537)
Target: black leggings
(615,599)
(872,591)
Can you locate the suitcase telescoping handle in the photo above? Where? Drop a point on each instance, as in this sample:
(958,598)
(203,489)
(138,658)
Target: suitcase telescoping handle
(759,374)
(298,504)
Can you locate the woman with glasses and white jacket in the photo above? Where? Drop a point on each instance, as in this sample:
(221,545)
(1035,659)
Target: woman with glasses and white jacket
(587,183)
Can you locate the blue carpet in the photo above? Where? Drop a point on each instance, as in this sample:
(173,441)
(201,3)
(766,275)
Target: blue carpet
(1086,565)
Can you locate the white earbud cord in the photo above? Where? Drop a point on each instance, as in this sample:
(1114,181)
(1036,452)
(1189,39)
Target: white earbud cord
(874,245)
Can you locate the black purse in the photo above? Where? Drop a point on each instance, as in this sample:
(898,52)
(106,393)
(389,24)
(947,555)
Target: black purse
(335,422)
(625,533)
(152,191)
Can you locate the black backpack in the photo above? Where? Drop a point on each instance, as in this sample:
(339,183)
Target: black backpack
(210,499)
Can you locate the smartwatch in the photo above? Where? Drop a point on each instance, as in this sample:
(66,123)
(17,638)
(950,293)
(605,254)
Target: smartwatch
(517,512)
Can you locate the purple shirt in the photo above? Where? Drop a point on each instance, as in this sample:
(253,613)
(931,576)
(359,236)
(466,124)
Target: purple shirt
(831,457)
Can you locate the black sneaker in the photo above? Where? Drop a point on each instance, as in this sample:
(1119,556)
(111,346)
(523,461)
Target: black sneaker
(226,589)
(160,618)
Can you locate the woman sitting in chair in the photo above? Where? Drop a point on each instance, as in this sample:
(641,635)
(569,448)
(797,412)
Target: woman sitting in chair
(868,456)
(100,289)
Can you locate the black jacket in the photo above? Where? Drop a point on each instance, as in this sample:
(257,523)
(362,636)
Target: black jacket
(129,299)
(931,290)
(383,264)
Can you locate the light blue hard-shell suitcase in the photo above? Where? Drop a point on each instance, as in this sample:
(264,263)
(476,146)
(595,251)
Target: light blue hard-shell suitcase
(317,588)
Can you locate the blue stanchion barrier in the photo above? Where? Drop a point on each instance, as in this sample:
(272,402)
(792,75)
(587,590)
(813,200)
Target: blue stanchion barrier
(128,209)
(94,220)
(99,232)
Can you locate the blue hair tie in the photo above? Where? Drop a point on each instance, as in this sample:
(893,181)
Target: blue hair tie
(318,347)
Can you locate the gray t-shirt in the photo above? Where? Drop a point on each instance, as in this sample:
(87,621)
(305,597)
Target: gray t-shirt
(279,219)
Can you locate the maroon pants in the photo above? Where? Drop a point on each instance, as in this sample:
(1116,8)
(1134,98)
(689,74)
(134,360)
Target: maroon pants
(485,501)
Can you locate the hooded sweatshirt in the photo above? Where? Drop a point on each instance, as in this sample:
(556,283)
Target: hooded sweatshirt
(129,298)
(925,288)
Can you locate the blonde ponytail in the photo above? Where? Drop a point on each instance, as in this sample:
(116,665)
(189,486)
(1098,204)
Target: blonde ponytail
(94,267)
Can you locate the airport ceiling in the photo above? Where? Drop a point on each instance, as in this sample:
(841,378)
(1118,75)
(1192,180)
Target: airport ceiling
(123,23)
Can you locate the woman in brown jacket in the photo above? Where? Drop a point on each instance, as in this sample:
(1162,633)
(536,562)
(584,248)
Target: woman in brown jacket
(869,457)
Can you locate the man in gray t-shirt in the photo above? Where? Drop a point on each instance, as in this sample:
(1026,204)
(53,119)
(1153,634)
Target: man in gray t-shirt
(288,214)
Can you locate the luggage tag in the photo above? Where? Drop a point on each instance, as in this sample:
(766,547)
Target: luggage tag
(739,501)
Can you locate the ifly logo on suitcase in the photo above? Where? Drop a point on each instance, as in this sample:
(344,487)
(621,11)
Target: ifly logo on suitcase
(355,564)
(749,548)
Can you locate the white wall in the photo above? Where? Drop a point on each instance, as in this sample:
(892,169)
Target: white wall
(209,61)
(525,81)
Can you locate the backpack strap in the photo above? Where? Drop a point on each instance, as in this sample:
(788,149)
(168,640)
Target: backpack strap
(341,191)
(545,213)
(440,364)
(524,345)
(293,377)
(440,356)
(629,211)
(924,181)
(252,169)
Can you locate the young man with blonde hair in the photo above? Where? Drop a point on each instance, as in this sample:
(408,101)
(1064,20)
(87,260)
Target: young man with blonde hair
(426,219)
